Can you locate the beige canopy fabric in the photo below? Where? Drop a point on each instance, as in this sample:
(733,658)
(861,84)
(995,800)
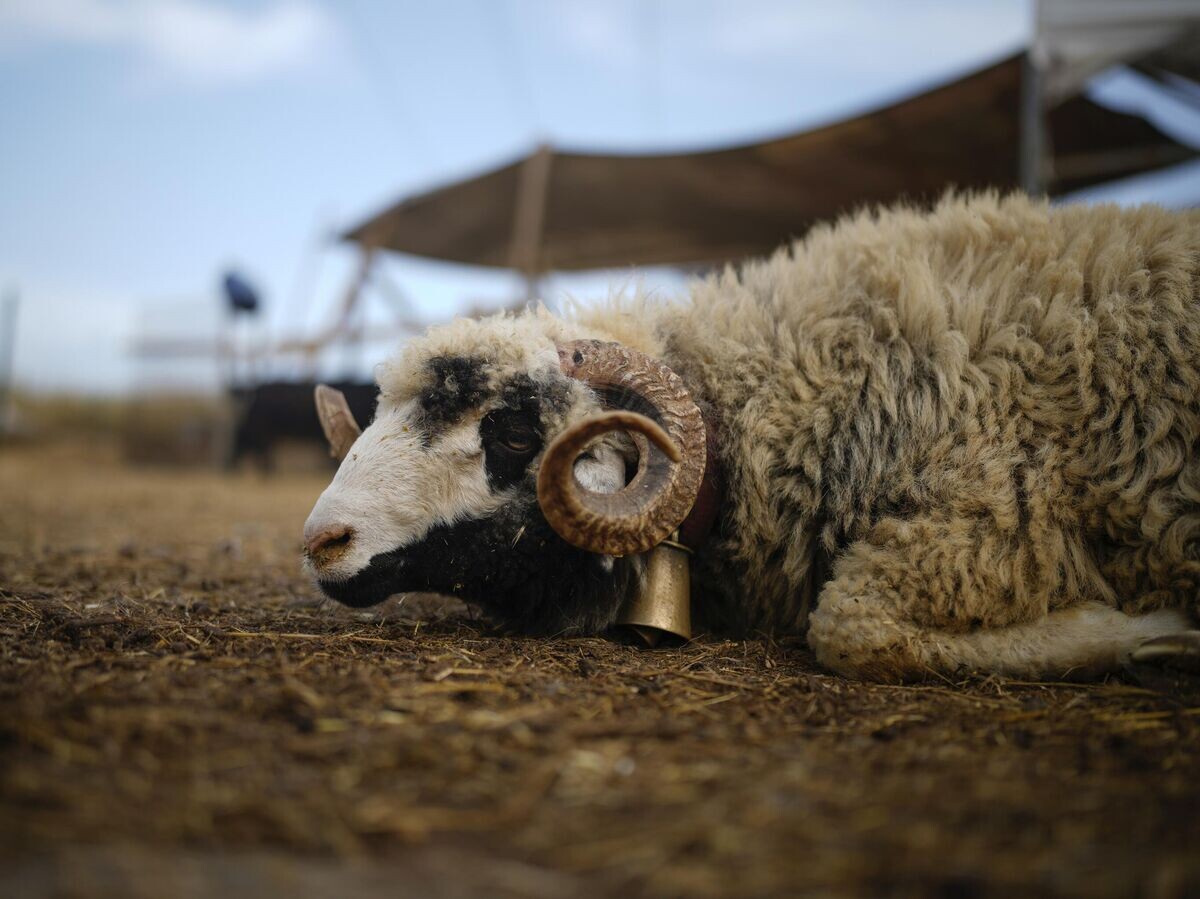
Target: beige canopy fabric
(570,211)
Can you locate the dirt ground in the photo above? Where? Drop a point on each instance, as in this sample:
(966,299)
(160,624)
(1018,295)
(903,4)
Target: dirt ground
(180,715)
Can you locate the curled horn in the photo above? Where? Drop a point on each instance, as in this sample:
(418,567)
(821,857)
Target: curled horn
(337,421)
(649,400)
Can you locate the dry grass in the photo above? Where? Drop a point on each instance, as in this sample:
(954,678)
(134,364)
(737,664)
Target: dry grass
(180,715)
(163,429)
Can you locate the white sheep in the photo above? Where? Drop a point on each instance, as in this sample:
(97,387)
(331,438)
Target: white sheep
(956,440)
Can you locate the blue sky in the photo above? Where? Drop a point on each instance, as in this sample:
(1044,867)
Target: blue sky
(148,144)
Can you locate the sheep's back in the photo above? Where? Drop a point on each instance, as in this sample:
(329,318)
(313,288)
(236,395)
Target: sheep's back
(900,360)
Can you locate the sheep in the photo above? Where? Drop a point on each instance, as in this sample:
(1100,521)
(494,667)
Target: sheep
(961,439)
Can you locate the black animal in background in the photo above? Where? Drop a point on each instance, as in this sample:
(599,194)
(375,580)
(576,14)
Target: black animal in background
(283,410)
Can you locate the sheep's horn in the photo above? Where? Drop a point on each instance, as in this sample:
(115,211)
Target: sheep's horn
(337,421)
(650,400)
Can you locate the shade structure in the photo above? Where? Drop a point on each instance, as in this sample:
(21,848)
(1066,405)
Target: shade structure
(568,211)
(1076,39)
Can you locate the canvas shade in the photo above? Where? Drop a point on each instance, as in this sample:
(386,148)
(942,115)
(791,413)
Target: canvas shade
(568,211)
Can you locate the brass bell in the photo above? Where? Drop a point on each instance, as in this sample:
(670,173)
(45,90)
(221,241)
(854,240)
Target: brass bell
(663,607)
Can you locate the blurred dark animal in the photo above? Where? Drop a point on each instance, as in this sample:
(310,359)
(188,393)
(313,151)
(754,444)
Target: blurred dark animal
(283,410)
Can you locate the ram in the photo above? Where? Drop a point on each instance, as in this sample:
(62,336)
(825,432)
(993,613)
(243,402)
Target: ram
(961,439)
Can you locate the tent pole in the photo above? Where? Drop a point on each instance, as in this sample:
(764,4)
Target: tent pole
(529,218)
(354,289)
(1032,146)
(533,286)
(1032,138)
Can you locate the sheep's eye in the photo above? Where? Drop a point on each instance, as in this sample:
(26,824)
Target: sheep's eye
(510,440)
(518,440)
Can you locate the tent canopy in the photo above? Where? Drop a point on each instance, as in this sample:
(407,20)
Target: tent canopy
(569,211)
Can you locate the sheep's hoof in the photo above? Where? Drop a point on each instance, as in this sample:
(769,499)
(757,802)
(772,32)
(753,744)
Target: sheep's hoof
(1180,650)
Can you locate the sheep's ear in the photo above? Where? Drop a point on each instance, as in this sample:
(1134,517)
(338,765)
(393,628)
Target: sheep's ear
(337,421)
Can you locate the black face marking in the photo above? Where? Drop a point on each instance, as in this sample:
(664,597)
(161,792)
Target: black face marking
(458,384)
(511,438)
(512,565)
(512,434)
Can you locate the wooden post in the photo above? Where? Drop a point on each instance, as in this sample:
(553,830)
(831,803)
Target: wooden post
(354,289)
(8,343)
(1032,126)
(1032,141)
(350,298)
(529,218)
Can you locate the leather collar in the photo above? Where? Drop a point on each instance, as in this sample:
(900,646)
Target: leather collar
(696,527)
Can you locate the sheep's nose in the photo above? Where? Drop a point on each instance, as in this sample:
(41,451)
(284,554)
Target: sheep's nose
(328,545)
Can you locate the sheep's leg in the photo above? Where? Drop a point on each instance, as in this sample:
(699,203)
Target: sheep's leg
(918,600)
(1181,650)
(1085,640)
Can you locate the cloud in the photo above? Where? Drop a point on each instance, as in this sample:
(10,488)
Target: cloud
(866,35)
(600,31)
(857,38)
(197,42)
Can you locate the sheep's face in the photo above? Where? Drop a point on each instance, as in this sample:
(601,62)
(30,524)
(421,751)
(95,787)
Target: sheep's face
(438,494)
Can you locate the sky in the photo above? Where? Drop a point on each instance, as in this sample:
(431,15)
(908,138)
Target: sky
(149,145)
